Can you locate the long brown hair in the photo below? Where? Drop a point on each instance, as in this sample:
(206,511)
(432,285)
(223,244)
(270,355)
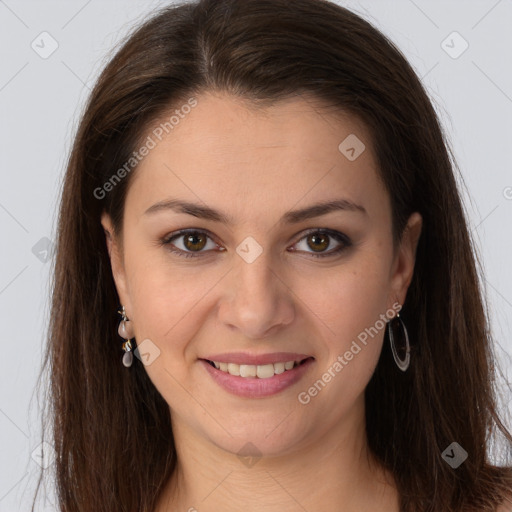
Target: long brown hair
(111,428)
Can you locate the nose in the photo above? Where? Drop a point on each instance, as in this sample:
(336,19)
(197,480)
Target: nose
(257,301)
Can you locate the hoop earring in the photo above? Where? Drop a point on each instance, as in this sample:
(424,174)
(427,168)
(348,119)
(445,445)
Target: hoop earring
(125,330)
(403,364)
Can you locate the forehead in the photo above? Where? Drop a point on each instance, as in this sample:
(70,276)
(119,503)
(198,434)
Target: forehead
(226,151)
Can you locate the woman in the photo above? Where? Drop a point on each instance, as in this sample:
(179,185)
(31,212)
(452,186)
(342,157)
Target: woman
(261,206)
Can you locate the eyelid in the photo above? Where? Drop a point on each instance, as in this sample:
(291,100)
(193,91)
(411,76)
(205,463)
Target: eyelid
(343,239)
(167,241)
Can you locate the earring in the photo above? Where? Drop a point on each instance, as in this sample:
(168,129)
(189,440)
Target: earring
(403,364)
(125,330)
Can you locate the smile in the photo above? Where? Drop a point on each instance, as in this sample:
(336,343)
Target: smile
(256,380)
(264,371)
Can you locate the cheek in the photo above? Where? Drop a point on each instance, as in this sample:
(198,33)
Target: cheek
(350,298)
(351,330)
(349,307)
(170,301)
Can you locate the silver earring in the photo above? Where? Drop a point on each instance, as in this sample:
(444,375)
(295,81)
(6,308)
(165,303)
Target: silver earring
(403,364)
(125,330)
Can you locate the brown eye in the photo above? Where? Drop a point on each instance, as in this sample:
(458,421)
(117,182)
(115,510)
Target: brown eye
(191,241)
(194,241)
(317,241)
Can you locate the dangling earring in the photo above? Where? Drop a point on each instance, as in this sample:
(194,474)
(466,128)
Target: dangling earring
(125,330)
(403,364)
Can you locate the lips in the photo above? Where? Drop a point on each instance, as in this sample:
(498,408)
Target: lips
(264,371)
(253,359)
(275,372)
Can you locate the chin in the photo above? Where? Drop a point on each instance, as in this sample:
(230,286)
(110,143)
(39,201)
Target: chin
(256,437)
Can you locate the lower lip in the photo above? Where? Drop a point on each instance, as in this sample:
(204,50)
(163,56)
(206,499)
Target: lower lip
(254,387)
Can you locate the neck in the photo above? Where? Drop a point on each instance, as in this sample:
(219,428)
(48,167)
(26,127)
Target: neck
(335,469)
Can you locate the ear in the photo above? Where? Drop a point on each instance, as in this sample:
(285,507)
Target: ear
(116,261)
(403,265)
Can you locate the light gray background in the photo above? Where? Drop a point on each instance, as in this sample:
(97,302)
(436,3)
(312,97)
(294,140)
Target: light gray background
(40,101)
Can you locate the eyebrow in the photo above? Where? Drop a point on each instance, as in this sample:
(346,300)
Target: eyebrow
(290,217)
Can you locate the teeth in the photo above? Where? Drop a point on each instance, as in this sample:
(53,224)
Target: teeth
(263,371)
(278,368)
(233,369)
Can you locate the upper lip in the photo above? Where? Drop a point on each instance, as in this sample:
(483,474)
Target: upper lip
(256,359)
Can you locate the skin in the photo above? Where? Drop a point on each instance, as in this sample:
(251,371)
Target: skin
(255,165)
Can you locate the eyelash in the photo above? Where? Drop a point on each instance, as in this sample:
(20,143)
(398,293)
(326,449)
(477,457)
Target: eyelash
(340,237)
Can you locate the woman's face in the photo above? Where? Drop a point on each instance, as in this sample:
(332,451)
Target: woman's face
(268,279)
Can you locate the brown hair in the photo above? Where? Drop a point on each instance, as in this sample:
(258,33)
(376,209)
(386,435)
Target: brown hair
(107,421)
